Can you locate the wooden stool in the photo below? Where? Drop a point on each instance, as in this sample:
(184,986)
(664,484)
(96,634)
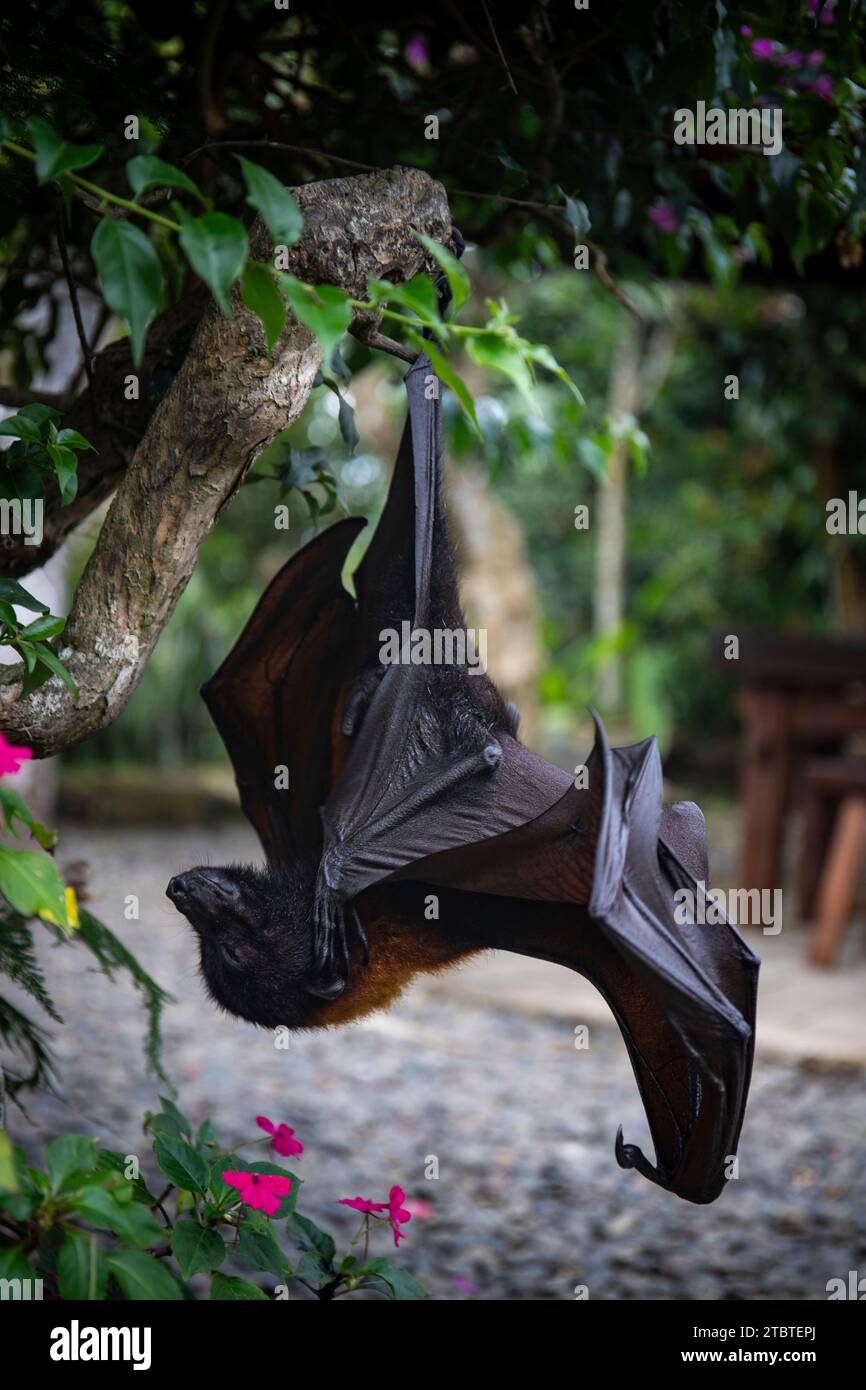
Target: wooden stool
(833,849)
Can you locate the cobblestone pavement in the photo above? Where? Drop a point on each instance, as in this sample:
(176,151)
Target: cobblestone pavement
(529,1201)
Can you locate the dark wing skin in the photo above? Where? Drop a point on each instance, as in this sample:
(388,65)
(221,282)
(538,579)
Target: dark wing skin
(419,779)
(296,642)
(684,995)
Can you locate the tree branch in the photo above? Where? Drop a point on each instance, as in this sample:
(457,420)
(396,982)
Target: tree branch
(224,406)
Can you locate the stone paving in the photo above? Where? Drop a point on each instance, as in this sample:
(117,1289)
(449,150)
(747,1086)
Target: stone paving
(479,1070)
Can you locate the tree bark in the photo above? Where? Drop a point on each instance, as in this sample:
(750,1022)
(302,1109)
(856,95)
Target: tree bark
(223,407)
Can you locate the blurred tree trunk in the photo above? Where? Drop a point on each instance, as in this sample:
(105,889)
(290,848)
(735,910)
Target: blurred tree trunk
(639,370)
(498,589)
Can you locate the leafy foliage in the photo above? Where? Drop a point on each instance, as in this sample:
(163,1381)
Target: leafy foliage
(88,1225)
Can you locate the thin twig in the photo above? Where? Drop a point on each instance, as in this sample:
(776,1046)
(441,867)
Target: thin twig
(499,48)
(76,314)
(278,145)
(383,343)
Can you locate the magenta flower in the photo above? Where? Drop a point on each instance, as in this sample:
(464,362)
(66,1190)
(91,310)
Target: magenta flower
(745,31)
(417,52)
(397,1213)
(763,48)
(11,756)
(261,1191)
(363,1204)
(283,1141)
(824,12)
(663,217)
(815,58)
(790,60)
(464,1285)
(823,87)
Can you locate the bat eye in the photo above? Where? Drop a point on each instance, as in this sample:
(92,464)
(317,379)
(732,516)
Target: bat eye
(231,955)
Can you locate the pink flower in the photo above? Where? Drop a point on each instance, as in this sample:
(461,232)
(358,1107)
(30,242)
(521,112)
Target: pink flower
(420,1207)
(10,756)
(463,1285)
(261,1191)
(763,48)
(283,1142)
(397,1213)
(824,12)
(417,52)
(662,216)
(363,1204)
(823,87)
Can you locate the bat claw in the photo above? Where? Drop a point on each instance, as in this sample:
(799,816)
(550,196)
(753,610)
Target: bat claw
(331,945)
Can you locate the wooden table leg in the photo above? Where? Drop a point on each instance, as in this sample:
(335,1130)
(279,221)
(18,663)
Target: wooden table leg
(819,816)
(766,776)
(839,880)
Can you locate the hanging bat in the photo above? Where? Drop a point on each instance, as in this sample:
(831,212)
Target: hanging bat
(417,830)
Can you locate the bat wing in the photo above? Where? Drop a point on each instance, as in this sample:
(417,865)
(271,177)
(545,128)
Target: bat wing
(409,789)
(277,697)
(683,994)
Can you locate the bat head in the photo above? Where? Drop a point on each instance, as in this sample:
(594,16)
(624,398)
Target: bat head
(254,930)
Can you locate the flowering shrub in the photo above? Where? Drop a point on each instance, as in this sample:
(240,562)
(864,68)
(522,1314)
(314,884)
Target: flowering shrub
(91,1226)
(31,888)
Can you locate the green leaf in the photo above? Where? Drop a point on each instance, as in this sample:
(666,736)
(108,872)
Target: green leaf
(142,1277)
(65,466)
(261,294)
(181,1164)
(227,1287)
(42,414)
(130,1220)
(268,196)
(401,1285)
(81,1268)
(12,592)
(197,1249)
(491,349)
(419,295)
(306,1235)
(130,274)
(454,271)
(537,352)
(313,1269)
(55,666)
(19,427)
(54,155)
(325,310)
(259,1250)
(71,1154)
(8,1172)
(146,171)
(31,883)
(49,625)
(14,807)
(180,1120)
(110,1161)
(577,217)
(72,440)
(14,1263)
(216,248)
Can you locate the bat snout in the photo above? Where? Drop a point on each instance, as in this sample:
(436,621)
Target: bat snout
(202,891)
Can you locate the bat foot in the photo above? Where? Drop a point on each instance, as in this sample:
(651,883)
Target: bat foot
(331,945)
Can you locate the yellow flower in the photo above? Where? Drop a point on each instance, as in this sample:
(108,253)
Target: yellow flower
(72,908)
